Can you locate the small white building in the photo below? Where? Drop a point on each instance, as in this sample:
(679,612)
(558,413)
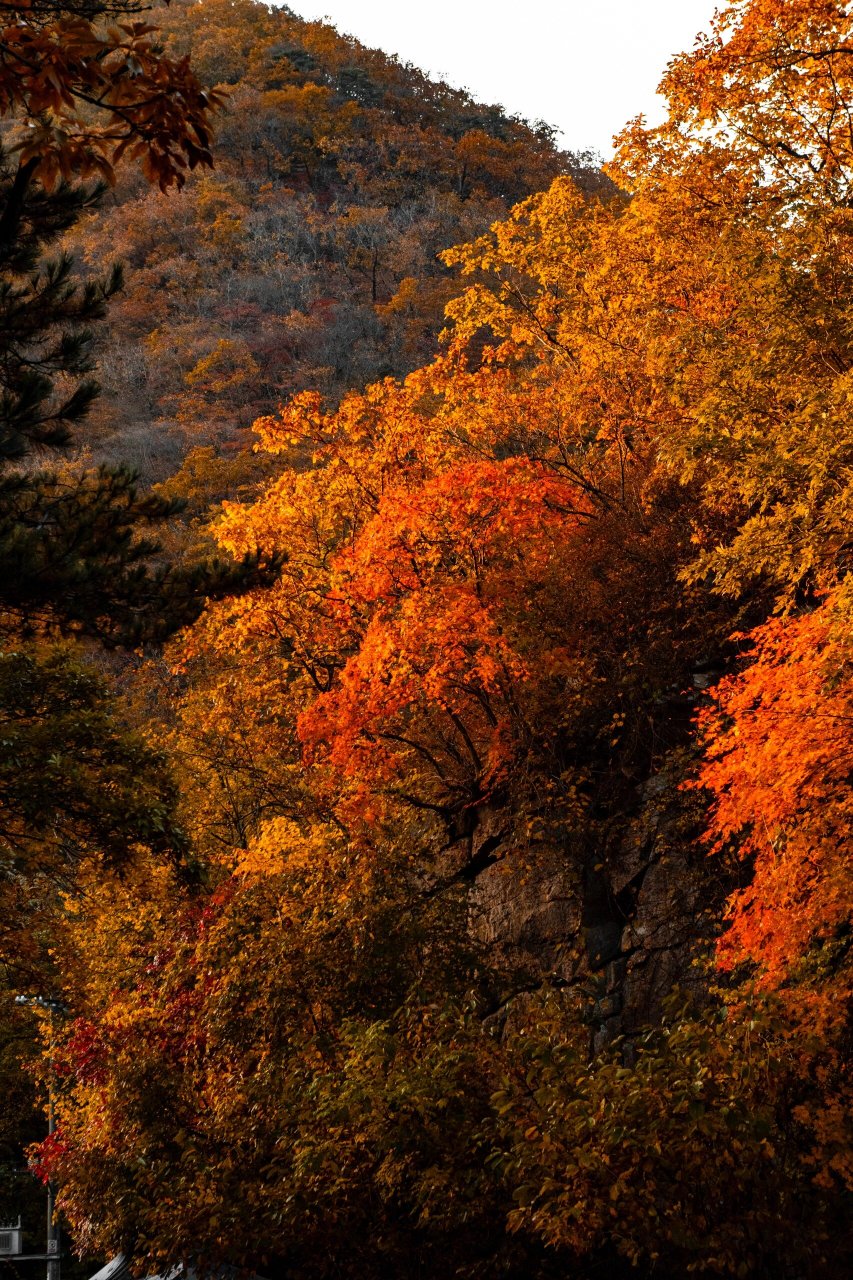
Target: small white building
(11,1239)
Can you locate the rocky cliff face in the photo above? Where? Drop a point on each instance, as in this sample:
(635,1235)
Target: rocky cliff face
(623,923)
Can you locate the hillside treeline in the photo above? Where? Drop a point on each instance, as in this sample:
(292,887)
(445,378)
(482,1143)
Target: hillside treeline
(308,257)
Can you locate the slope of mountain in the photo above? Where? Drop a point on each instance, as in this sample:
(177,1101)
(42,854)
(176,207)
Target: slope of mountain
(308,258)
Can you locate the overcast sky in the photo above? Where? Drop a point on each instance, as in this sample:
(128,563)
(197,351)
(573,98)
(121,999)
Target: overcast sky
(586,66)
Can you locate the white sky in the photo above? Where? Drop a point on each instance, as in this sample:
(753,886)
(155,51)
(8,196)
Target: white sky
(586,66)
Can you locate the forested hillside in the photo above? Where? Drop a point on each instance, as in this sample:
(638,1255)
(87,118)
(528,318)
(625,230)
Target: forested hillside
(308,257)
(452,877)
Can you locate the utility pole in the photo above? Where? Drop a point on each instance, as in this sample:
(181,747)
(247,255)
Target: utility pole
(53,1258)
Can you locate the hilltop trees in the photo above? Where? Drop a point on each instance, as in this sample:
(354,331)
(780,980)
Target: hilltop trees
(309,257)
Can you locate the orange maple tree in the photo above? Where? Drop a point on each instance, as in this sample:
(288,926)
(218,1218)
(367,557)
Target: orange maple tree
(778,763)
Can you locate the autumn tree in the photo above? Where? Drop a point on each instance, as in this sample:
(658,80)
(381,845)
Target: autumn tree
(776,765)
(451,671)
